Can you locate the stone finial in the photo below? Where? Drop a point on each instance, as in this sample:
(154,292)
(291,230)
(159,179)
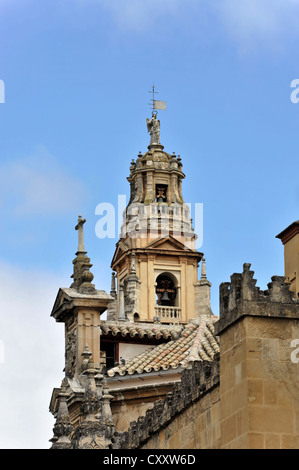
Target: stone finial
(202,290)
(90,434)
(90,402)
(112,307)
(113,289)
(203,269)
(62,428)
(132,290)
(121,304)
(99,384)
(106,409)
(97,428)
(82,275)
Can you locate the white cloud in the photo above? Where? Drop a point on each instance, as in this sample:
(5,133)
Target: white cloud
(38,185)
(142,15)
(251,23)
(258,26)
(263,23)
(33,356)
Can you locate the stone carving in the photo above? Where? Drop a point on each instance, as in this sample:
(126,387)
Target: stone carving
(89,436)
(82,275)
(97,427)
(200,379)
(62,428)
(132,289)
(87,354)
(153,127)
(70,354)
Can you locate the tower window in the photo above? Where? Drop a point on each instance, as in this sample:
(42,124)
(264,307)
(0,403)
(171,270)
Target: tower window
(161,193)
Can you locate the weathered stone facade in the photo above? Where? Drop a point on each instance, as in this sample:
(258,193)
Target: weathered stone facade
(247,397)
(185,379)
(183,419)
(259,386)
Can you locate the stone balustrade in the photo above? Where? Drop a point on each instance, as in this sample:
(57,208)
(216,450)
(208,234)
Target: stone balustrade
(168,313)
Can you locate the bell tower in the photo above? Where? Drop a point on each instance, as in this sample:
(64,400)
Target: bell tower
(155,260)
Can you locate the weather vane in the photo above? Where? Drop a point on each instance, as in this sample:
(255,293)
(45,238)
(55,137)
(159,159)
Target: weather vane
(156,104)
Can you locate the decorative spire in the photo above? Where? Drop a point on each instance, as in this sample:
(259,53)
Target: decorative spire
(202,293)
(113,289)
(82,275)
(106,409)
(90,404)
(62,428)
(97,428)
(121,307)
(203,269)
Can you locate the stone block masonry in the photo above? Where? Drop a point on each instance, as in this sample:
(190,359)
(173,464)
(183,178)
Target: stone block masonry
(259,386)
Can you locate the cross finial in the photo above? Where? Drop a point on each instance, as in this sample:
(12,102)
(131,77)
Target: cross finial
(79,227)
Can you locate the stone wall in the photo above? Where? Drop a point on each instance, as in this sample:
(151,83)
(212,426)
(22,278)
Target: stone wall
(259,386)
(197,427)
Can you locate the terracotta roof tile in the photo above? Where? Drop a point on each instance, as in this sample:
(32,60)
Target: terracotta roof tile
(140,330)
(193,342)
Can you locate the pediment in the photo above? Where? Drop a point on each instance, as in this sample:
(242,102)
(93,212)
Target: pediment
(61,298)
(168,243)
(121,248)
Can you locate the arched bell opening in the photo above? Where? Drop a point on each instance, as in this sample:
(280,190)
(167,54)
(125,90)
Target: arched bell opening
(166,290)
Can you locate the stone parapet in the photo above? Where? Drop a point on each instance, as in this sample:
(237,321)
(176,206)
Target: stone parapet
(241,297)
(196,382)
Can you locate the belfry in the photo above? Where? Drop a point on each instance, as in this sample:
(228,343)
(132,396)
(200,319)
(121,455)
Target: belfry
(155,260)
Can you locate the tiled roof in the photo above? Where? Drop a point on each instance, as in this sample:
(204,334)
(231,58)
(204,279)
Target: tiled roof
(141,330)
(195,342)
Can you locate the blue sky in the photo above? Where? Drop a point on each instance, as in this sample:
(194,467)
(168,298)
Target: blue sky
(77,75)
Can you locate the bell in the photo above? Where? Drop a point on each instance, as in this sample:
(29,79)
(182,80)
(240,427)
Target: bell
(165,296)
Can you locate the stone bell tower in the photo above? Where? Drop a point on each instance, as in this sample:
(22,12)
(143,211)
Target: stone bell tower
(155,260)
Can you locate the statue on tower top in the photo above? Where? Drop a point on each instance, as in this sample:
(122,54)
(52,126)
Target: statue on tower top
(153,124)
(153,127)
